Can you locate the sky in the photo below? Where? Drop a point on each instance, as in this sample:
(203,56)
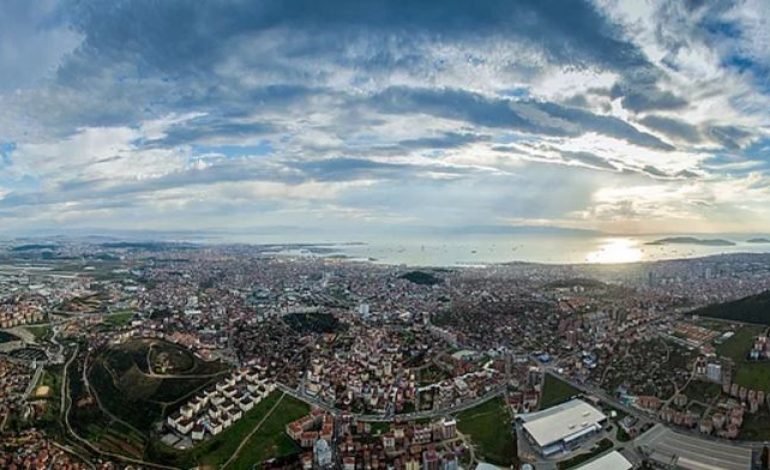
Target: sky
(366,117)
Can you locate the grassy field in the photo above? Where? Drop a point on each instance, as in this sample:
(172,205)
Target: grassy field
(51,378)
(379,427)
(703,391)
(756,427)
(432,374)
(40,332)
(556,391)
(270,441)
(490,429)
(753,375)
(738,346)
(119,319)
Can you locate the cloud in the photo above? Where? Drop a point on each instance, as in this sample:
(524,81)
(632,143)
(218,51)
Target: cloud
(172,36)
(446,140)
(336,169)
(533,117)
(645,95)
(589,159)
(299,113)
(672,128)
(731,137)
(34,42)
(213,130)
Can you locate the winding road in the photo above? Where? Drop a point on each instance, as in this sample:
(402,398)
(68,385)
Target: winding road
(66,405)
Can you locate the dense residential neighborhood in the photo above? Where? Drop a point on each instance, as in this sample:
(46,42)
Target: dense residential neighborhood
(145,354)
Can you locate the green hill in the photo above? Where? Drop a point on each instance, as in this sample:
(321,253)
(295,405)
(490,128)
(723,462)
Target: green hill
(752,309)
(585,283)
(121,376)
(421,277)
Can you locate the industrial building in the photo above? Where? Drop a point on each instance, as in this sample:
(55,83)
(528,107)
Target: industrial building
(610,461)
(563,427)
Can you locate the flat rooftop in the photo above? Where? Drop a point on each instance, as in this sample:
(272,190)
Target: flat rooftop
(693,453)
(611,461)
(561,421)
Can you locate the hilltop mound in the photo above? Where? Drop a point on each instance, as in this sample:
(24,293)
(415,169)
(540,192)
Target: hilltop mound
(422,278)
(136,379)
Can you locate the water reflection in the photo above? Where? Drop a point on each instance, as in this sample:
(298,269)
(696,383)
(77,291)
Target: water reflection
(616,250)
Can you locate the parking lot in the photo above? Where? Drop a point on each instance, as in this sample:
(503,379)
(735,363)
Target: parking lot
(692,453)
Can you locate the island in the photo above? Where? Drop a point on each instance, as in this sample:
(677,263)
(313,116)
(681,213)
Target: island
(758,240)
(691,241)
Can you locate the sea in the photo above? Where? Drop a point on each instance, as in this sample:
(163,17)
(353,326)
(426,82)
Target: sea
(480,250)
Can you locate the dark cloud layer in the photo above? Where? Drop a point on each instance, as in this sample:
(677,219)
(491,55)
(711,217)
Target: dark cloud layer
(527,116)
(175,37)
(149,106)
(672,127)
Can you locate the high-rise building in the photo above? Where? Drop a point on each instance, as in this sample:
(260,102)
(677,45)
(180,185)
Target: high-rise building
(322,454)
(431,460)
(714,372)
(450,462)
(449,428)
(363,310)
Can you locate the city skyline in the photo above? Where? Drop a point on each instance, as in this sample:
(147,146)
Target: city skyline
(617,117)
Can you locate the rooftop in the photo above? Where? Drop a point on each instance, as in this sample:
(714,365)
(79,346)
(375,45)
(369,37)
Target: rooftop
(561,421)
(612,461)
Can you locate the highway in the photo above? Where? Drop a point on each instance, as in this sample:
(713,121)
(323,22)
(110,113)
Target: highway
(602,395)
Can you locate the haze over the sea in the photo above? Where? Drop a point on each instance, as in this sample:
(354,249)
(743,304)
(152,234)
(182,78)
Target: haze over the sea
(551,247)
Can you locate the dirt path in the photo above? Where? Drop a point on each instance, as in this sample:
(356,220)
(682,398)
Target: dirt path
(66,405)
(253,431)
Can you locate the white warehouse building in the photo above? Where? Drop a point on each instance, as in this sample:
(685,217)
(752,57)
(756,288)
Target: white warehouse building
(611,461)
(562,427)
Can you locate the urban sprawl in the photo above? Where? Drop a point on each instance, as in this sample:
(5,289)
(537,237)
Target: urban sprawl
(125,354)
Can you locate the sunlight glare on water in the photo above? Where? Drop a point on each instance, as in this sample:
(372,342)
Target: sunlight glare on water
(616,250)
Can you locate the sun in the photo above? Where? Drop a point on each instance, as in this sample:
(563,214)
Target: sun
(616,250)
